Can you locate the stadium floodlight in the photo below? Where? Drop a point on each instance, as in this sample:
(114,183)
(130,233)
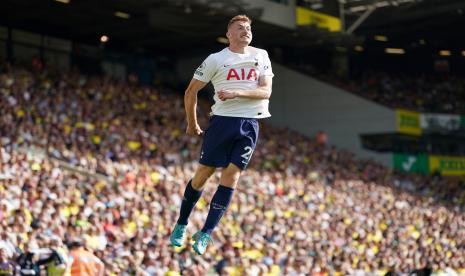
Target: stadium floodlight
(381,38)
(463,53)
(395,51)
(121,14)
(104,39)
(445,53)
(64,1)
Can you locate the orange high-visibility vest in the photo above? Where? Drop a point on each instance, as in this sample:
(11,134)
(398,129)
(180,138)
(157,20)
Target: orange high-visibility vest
(85,263)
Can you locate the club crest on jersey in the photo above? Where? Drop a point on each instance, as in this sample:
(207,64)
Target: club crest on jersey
(242,74)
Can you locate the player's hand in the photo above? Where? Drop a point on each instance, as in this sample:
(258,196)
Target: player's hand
(194,129)
(226,94)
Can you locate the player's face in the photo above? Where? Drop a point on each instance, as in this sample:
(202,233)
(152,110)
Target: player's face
(240,32)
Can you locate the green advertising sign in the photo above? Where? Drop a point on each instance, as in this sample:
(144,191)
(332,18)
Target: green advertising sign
(411,163)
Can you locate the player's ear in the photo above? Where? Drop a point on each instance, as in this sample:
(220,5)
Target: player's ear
(227,34)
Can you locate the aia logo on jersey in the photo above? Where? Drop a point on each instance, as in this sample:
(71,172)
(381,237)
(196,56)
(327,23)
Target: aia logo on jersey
(242,74)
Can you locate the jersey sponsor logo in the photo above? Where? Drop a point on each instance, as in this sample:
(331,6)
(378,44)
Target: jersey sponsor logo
(243,74)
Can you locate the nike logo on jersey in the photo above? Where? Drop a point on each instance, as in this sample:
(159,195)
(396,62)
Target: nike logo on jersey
(226,65)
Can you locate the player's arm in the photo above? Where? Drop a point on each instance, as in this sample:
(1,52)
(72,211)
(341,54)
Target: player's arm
(263,91)
(190,104)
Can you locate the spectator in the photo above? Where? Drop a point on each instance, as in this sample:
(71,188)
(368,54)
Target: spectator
(7,268)
(27,260)
(56,262)
(321,138)
(84,262)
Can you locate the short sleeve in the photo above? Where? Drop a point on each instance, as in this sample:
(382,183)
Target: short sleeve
(265,67)
(206,70)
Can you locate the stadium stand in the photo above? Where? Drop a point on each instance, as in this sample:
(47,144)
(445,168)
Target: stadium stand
(93,161)
(436,93)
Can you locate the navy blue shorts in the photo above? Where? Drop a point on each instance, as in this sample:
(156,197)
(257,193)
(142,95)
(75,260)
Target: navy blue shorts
(229,140)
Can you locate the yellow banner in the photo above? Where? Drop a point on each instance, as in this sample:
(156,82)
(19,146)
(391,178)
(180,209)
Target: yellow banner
(447,165)
(408,122)
(305,16)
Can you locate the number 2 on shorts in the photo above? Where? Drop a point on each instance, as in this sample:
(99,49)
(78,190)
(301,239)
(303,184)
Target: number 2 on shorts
(247,154)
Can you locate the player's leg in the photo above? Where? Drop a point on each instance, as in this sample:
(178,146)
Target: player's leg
(218,206)
(239,157)
(213,155)
(222,197)
(192,194)
(193,191)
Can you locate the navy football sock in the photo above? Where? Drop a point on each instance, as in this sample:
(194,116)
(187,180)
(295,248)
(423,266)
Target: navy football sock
(191,196)
(218,206)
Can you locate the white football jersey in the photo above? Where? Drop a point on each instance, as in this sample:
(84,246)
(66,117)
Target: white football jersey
(229,70)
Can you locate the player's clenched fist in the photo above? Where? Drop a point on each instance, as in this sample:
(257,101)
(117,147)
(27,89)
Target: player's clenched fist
(226,94)
(194,129)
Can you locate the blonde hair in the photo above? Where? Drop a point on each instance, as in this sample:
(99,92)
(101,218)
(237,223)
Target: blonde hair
(240,17)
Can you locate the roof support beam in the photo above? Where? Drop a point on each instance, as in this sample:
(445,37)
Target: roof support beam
(360,20)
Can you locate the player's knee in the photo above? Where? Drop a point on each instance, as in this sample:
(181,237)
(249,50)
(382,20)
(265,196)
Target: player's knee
(198,181)
(230,176)
(201,176)
(229,180)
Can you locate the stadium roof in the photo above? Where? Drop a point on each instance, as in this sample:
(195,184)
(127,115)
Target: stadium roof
(181,26)
(437,19)
(153,25)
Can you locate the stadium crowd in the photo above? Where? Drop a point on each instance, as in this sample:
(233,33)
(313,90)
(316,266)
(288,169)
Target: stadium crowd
(440,93)
(432,93)
(94,167)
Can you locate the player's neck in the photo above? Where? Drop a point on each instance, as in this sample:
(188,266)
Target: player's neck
(238,49)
